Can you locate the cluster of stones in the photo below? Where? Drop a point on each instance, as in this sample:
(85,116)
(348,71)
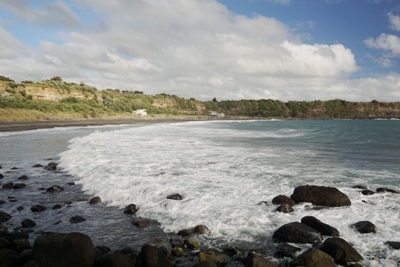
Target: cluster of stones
(183,250)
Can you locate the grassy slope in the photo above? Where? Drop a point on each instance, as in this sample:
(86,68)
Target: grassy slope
(57,100)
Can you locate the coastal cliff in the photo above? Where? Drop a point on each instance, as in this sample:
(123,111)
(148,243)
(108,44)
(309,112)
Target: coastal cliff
(57,99)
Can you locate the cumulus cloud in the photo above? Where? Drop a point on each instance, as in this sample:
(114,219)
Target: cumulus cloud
(173,47)
(394,22)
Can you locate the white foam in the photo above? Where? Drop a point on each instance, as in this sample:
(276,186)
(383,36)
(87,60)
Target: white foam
(222,181)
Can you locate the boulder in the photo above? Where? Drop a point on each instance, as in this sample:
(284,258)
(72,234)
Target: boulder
(285,250)
(95,200)
(285,208)
(205,264)
(114,260)
(313,258)
(23,177)
(201,230)
(77,219)
(385,190)
(211,256)
(38,166)
(192,244)
(55,188)
(365,227)
(7,185)
(296,232)
(141,223)
(255,260)
(393,244)
(131,209)
(150,256)
(175,197)
(281,199)
(322,228)
(4,216)
(9,258)
(28,223)
(367,192)
(1,176)
(177,252)
(19,186)
(340,250)
(52,166)
(64,250)
(38,208)
(320,195)
(20,245)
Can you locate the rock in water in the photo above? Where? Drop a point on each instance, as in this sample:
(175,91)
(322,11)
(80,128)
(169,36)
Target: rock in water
(296,232)
(365,227)
(4,216)
(95,200)
(340,250)
(313,258)
(52,166)
(320,195)
(64,250)
(152,257)
(131,209)
(322,228)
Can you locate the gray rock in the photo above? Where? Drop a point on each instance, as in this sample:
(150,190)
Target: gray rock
(95,200)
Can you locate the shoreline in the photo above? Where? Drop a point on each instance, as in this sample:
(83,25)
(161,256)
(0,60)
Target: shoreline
(14,126)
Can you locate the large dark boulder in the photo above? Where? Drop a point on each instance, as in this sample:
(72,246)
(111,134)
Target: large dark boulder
(365,227)
(28,223)
(313,258)
(320,195)
(55,188)
(4,216)
(150,256)
(322,228)
(201,230)
(64,250)
(340,250)
(393,244)
(296,232)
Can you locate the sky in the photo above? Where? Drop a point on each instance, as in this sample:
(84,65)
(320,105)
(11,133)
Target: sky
(300,50)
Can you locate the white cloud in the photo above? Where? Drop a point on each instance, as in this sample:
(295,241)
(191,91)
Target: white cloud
(394,22)
(387,42)
(192,49)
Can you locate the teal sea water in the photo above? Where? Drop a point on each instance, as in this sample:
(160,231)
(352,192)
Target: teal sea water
(224,169)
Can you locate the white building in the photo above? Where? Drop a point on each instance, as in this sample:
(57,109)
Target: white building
(140,112)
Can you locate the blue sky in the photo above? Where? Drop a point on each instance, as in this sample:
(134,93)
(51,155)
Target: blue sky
(228,49)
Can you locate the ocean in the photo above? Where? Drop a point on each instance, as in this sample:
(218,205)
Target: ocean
(225,170)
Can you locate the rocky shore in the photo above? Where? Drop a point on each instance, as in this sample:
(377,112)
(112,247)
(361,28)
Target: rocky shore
(21,244)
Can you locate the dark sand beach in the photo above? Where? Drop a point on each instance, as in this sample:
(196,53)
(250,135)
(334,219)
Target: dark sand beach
(11,126)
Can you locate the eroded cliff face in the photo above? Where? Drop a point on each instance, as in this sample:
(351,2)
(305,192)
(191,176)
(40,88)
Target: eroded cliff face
(172,104)
(45,93)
